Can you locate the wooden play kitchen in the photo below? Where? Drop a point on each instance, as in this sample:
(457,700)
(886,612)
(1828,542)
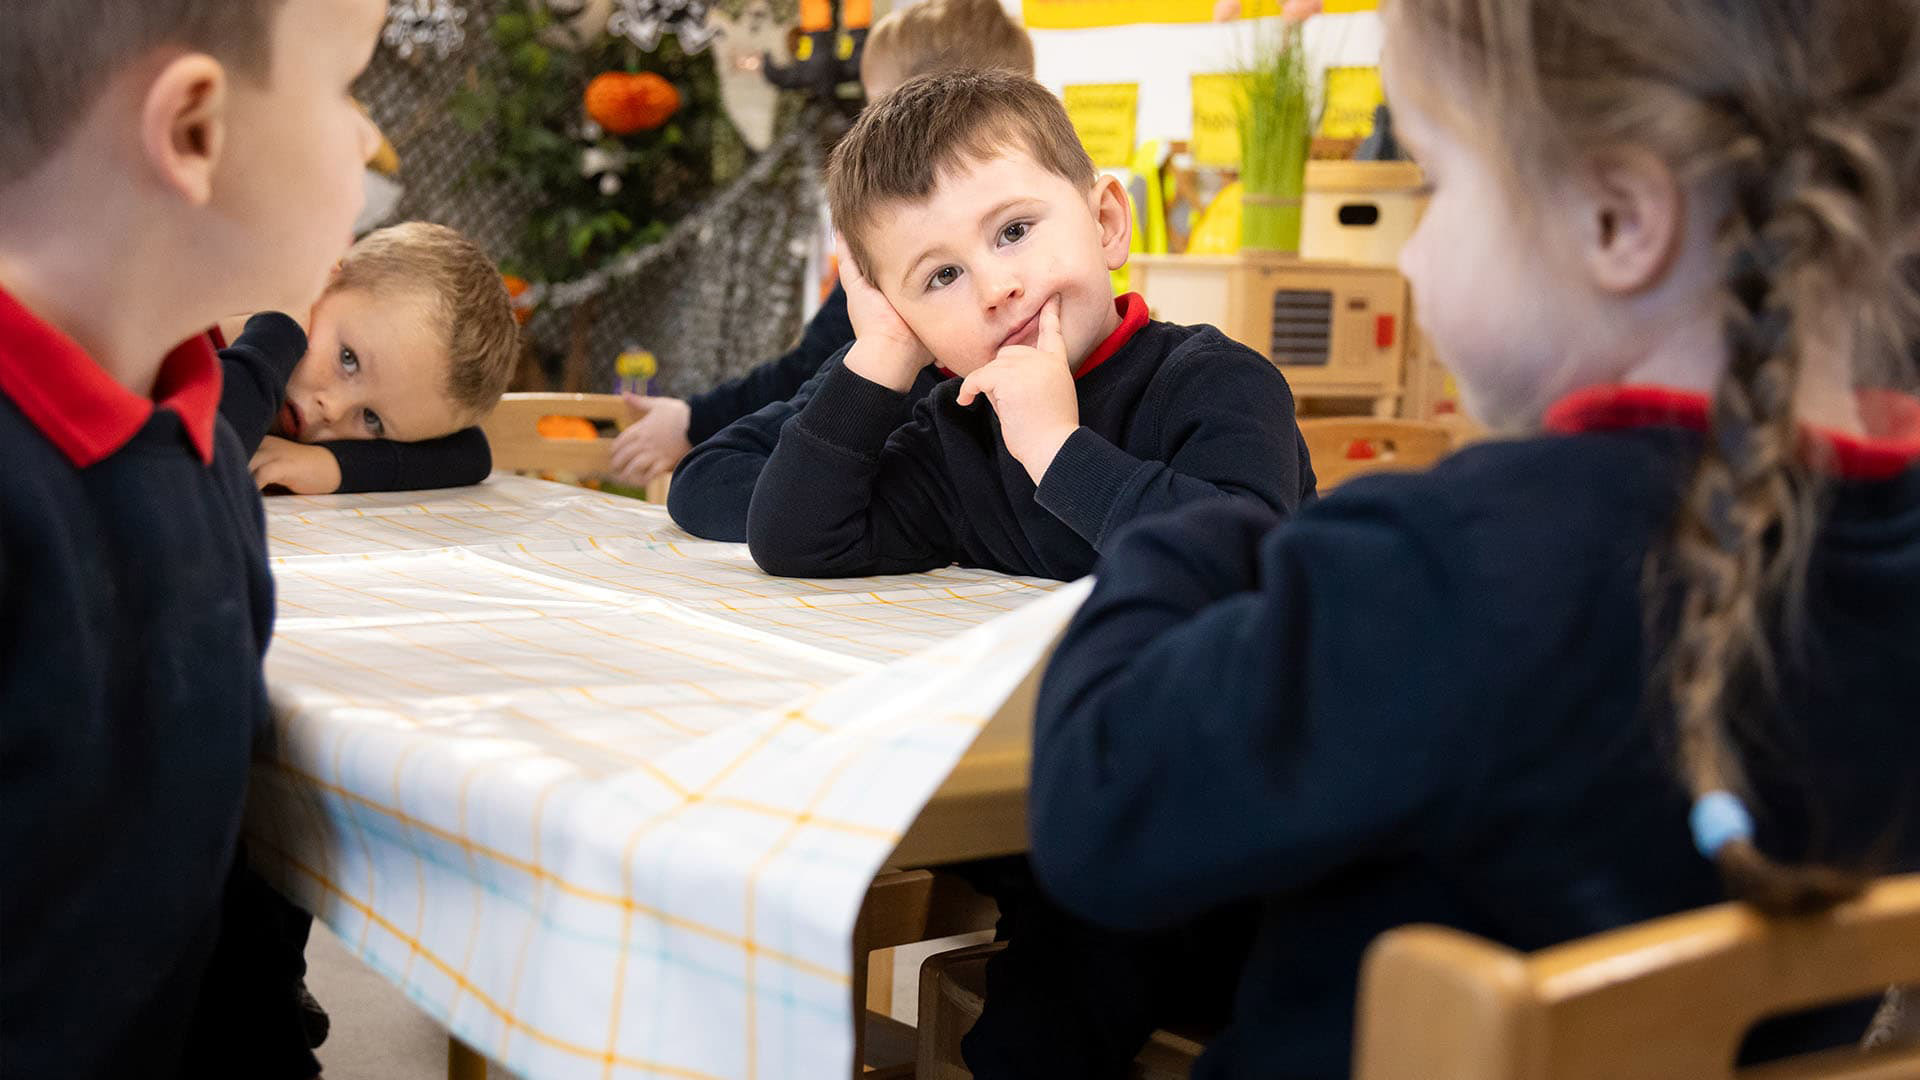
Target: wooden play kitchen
(1336,318)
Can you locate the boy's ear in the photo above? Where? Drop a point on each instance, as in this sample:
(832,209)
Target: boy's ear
(183,124)
(1633,219)
(1114,214)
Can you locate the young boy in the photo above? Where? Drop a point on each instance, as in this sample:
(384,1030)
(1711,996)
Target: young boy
(931,36)
(978,237)
(411,344)
(161,163)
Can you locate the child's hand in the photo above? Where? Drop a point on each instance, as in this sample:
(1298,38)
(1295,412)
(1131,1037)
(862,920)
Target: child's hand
(298,467)
(1031,390)
(885,349)
(655,442)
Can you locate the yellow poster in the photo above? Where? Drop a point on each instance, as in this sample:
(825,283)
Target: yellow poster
(1352,95)
(1077,14)
(1074,14)
(1216,120)
(1104,115)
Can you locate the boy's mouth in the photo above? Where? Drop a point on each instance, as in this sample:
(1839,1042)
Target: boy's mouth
(1027,333)
(290,419)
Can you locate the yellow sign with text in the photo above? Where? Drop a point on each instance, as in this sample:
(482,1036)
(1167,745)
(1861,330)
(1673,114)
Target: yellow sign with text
(1216,120)
(1352,95)
(1104,115)
(1077,14)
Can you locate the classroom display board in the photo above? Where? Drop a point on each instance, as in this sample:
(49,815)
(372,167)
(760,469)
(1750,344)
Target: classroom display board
(1080,14)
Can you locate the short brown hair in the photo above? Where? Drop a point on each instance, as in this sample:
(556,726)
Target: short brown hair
(947,35)
(56,56)
(469,302)
(934,125)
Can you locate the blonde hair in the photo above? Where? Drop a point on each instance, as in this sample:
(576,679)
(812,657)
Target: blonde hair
(1807,114)
(902,144)
(57,56)
(948,35)
(468,301)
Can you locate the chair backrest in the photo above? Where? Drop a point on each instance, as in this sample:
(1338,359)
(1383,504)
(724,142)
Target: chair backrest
(513,431)
(1343,447)
(1665,999)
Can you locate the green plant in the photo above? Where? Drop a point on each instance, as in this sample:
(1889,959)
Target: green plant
(525,98)
(1277,113)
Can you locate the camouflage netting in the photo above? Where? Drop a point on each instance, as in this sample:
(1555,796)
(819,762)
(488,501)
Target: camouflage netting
(721,300)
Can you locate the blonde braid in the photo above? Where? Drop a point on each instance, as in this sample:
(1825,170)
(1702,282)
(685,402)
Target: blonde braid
(1798,238)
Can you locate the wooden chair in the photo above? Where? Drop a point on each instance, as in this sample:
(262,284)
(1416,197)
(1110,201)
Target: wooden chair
(1344,447)
(513,430)
(903,907)
(1663,1000)
(953,989)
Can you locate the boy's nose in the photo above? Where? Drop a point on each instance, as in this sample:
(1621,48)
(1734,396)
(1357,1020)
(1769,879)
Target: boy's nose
(1003,290)
(329,408)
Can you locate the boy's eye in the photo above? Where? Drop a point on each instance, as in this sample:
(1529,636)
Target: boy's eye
(372,419)
(943,277)
(1014,233)
(348,361)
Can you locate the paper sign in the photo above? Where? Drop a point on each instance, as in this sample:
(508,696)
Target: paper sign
(1352,95)
(1104,115)
(1075,14)
(1216,120)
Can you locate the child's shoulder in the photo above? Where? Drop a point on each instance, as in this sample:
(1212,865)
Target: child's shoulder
(1200,359)
(1539,500)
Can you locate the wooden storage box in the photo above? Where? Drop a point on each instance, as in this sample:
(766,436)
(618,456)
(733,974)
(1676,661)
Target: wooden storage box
(1337,330)
(1360,211)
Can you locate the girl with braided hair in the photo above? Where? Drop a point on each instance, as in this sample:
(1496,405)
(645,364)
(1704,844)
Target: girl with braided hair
(1657,648)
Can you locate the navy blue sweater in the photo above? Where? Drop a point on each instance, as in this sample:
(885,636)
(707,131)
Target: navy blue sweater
(713,486)
(1427,699)
(1174,415)
(135,606)
(775,381)
(256,369)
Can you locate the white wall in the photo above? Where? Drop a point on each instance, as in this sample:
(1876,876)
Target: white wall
(1162,57)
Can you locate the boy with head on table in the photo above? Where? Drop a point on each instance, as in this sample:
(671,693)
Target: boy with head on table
(409,347)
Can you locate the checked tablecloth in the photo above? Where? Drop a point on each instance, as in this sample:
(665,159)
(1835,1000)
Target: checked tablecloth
(602,797)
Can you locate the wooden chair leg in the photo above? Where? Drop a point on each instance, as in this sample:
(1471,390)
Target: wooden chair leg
(464,1062)
(880,982)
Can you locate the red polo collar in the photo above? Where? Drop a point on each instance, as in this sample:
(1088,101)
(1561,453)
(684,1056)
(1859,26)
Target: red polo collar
(1133,315)
(1891,446)
(78,406)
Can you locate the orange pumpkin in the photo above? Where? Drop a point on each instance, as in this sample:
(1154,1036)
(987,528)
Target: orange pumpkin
(517,285)
(623,103)
(565,427)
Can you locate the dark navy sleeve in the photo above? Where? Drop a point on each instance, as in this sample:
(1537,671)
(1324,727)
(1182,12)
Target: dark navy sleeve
(254,371)
(454,460)
(775,381)
(1243,707)
(1226,428)
(713,485)
(853,486)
